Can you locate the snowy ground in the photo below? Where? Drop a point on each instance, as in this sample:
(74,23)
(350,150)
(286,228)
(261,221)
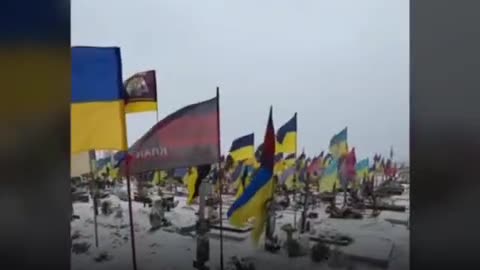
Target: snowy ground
(167,249)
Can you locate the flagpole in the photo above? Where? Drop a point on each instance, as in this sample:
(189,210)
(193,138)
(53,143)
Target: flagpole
(219,179)
(270,243)
(129,195)
(130,212)
(158,171)
(296,176)
(112,163)
(91,160)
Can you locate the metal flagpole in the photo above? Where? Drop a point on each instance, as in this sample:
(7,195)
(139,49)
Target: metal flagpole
(220,180)
(130,211)
(112,162)
(296,176)
(307,188)
(91,160)
(203,244)
(129,195)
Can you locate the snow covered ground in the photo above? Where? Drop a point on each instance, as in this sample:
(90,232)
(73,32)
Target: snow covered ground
(168,249)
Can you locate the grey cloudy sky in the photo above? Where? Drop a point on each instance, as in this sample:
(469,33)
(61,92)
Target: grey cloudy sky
(336,63)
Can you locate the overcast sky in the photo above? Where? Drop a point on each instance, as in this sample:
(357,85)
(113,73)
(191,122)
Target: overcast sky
(336,63)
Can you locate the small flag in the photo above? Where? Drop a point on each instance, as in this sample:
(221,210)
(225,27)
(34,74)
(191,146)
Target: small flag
(330,179)
(338,144)
(141,92)
(287,137)
(243,148)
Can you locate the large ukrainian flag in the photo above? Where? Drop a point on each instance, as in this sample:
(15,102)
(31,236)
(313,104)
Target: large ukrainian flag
(287,137)
(253,201)
(97,109)
(243,148)
(338,144)
(330,178)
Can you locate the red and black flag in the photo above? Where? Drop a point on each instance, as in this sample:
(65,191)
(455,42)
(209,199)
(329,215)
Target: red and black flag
(141,92)
(186,138)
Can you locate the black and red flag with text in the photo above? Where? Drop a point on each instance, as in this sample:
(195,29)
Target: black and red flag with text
(185,138)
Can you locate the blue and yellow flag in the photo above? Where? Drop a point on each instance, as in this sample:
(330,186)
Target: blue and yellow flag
(330,177)
(243,148)
(362,172)
(287,137)
(253,201)
(97,109)
(338,144)
(362,168)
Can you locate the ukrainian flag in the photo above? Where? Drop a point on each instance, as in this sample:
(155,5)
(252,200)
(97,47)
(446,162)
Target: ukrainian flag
(362,168)
(243,148)
(362,171)
(97,109)
(253,202)
(330,178)
(287,137)
(338,144)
